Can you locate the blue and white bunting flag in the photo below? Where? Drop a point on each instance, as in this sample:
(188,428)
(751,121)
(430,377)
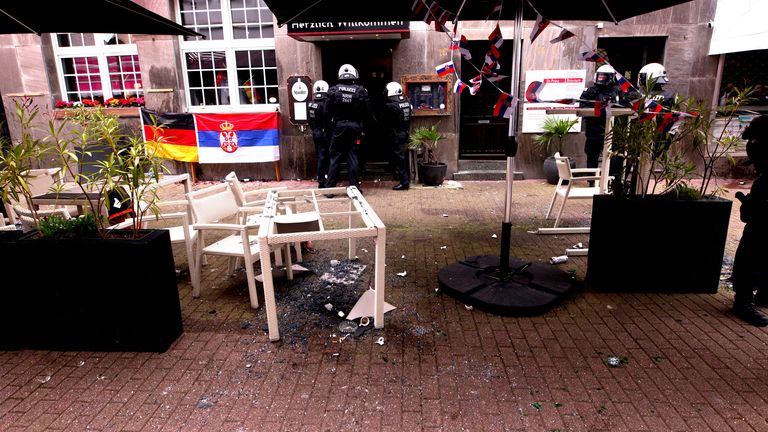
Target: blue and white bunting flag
(538,27)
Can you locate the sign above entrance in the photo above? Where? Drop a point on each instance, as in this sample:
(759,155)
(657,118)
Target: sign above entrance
(317,31)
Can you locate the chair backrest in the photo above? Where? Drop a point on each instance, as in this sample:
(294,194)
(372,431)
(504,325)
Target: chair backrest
(213,204)
(237,188)
(563,166)
(41,180)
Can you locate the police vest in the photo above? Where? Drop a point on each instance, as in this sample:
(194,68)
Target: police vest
(401,112)
(316,112)
(347,102)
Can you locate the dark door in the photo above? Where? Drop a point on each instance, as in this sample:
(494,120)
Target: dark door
(373,61)
(482,135)
(628,54)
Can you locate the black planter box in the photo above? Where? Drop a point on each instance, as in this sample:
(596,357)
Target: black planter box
(657,244)
(114,294)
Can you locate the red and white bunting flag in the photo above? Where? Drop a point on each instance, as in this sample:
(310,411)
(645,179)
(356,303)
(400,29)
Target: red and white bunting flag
(565,34)
(592,56)
(462,45)
(503,107)
(538,27)
(495,37)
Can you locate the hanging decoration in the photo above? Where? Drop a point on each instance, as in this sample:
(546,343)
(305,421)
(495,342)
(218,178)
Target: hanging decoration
(432,11)
(538,27)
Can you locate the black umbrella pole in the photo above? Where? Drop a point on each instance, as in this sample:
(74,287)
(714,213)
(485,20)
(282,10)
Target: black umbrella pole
(506,240)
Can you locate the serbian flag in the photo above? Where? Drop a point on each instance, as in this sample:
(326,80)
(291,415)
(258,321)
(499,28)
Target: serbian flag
(667,121)
(622,82)
(495,37)
(503,107)
(538,27)
(170,135)
(592,56)
(565,34)
(445,68)
(237,138)
(651,109)
(462,45)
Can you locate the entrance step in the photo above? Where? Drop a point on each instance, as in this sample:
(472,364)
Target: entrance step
(477,169)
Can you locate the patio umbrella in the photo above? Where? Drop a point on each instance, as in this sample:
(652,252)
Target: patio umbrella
(85,16)
(498,284)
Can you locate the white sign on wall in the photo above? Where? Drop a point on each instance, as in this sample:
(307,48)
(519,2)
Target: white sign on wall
(550,85)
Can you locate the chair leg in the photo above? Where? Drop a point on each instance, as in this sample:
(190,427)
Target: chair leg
(252,284)
(278,256)
(297,248)
(191,263)
(562,205)
(551,205)
(197,270)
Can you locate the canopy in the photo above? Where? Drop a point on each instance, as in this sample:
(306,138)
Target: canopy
(739,25)
(588,10)
(501,285)
(85,16)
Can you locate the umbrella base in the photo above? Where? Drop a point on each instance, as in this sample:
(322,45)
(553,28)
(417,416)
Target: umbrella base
(529,289)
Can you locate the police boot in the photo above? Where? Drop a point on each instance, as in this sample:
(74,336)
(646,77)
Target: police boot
(761,297)
(744,308)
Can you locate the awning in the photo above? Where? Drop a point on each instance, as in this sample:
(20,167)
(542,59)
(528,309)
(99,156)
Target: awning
(739,25)
(588,10)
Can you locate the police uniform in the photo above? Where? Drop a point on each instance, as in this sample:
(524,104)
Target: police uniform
(397,114)
(348,108)
(595,126)
(666,99)
(318,122)
(749,269)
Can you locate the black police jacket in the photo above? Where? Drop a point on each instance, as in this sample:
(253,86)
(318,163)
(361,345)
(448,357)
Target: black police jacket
(594,127)
(397,115)
(316,114)
(348,102)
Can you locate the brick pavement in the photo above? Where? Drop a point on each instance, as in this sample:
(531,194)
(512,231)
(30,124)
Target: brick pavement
(690,365)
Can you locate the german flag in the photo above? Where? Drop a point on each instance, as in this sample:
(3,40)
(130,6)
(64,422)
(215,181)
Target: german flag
(173,133)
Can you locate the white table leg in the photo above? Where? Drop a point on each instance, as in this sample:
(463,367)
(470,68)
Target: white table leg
(378,306)
(269,290)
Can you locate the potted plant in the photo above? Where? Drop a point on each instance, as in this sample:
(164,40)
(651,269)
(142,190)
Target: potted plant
(658,229)
(424,139)
(555,128)
(86,286)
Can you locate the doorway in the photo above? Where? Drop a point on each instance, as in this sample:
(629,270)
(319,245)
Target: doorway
(373,61)
(629,54)
(483,135)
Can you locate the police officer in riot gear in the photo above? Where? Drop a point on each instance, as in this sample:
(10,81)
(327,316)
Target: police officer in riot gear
(749,269)
(397,117)
(348,107)
(652,80)
(319,124)
(605,91)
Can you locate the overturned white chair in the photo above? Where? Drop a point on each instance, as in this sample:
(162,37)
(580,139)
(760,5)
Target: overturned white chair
(569,191)
(215,210)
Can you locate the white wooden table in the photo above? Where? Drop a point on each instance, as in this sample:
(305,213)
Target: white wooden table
(362,222)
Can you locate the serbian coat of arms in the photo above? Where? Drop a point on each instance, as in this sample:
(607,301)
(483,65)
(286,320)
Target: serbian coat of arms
(227,137)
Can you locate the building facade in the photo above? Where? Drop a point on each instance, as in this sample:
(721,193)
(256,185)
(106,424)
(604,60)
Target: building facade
(246,61)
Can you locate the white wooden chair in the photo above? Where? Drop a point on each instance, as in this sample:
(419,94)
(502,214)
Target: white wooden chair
(569,190)
(215,210)
(256,198)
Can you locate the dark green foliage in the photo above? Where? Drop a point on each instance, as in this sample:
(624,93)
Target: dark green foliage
(56,227)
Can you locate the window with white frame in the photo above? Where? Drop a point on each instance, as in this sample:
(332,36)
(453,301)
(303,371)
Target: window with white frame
(97,66)
(235,65)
